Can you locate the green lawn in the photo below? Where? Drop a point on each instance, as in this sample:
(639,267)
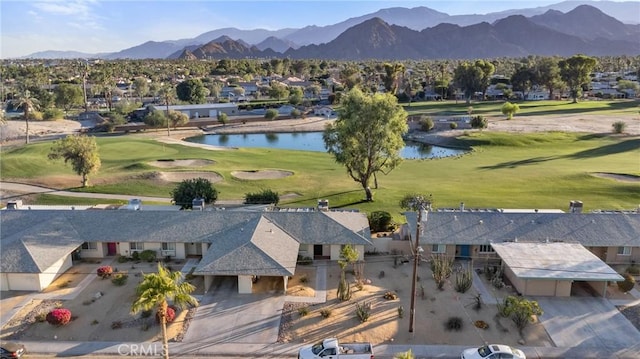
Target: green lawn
(541,170)
(527,108)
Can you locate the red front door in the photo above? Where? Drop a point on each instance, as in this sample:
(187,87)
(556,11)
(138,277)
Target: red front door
(111,249)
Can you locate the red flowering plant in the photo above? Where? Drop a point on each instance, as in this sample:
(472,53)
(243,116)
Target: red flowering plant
(105,272)
(59,317)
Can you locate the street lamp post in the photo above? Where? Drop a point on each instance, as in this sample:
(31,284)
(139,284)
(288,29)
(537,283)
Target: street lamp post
(416,258)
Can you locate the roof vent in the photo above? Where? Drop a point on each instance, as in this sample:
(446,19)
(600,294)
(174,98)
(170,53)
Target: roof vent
(323,204)
(575,207)
(455,218)
(480,221)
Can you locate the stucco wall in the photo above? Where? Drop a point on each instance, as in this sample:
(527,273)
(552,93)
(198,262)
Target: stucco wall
(614,258)
(180,253)
(541,287)
(24,281)
(245,284)
(48,275)
(4,282)
(99,252)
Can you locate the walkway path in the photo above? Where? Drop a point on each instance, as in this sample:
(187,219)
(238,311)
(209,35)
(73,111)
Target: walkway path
(321,286)
(31,189)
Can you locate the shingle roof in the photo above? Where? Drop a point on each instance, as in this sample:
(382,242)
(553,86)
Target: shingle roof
(267,251)
(33,246)
(588,229)
(71,228)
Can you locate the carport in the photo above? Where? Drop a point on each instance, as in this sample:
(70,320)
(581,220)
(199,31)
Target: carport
(550,269)
(265,251)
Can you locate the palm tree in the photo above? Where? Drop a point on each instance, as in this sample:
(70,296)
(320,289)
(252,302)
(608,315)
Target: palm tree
(28,104)
(154,291)
(167,94)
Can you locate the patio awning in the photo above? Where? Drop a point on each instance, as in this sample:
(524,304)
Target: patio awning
(554,261)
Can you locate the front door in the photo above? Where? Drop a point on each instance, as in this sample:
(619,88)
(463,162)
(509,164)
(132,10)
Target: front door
(317,250)
(465,251)
(111,249)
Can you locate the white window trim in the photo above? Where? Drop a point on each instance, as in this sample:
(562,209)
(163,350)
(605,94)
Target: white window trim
(439,248)
(485,246)
(91,246)
(626,251)
(136,249)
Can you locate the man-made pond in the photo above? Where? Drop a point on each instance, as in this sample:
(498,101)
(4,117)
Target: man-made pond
(310,141)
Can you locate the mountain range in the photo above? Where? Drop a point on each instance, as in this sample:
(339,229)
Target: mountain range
(417,33)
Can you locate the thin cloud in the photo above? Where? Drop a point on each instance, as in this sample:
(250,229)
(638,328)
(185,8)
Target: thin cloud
(77,7)
(81,12)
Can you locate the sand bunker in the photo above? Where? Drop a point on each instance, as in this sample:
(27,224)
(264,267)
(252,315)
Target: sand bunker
(261,175)
(181,176)
(181,163)
(618,176)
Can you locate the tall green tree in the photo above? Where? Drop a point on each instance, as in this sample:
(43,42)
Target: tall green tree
(278,90)
(156,119)
(367,136)
(548,74)
(191,91)
(155,290)
(27,104)
(141,87)
(575,72)
(487,69)
(522,80)
(67,96)
(296,95)
(81,151)
(189,189)
(177,118)
(468,77)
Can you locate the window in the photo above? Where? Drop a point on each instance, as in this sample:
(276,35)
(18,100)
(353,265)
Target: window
(136,246)
(89,245)
(624,251)
(168,246)
(486,248)
(438,248)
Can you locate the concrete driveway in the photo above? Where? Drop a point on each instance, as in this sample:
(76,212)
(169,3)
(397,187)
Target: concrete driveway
(224,316)
(589,324)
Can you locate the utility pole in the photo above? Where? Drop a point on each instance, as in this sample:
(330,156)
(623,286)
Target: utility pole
(84,86)
(419,204)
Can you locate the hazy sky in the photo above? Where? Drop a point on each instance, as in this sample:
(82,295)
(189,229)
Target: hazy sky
(93,26)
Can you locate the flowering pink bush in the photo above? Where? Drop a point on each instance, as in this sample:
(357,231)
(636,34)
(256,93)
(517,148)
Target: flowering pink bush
(59,316)
(105,271)
(171,315)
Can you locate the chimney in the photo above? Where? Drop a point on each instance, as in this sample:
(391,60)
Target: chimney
(461,206)
(575,207)
(14,204)
(323,205)
(197,204)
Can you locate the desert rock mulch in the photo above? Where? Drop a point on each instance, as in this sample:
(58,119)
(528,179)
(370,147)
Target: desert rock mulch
(289,313)
(18,324)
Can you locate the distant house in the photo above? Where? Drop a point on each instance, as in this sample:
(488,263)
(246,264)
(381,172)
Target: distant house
(324,111)
(39,245)
(201,110)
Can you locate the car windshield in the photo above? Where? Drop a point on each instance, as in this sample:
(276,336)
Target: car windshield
(317,348)
(484,351)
